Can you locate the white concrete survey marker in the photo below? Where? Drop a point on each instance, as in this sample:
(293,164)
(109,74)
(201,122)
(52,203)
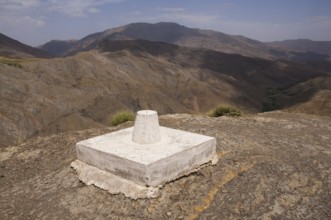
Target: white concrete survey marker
(137,161)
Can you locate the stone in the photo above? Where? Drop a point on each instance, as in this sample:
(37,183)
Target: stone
(146,155)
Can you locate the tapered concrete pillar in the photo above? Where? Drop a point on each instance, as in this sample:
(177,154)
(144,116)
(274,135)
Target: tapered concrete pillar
(146,128)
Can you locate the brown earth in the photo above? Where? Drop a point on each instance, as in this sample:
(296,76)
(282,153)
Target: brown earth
(271,166)
(319,103)
(312,96)
(47,96)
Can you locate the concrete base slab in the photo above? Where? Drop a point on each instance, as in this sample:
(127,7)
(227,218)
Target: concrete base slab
(178,153)
(91,175)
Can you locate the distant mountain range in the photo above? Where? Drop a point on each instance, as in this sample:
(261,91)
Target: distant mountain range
(294,50)
(183,36)
(13,48)
(115,69)
(58,47)
(271,166)
(304,45)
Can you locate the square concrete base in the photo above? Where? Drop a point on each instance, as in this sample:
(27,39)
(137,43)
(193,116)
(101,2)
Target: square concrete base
(112,183)
(178,153)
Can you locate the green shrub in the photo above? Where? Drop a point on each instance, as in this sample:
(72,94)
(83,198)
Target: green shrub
(121,117)
(272,100)
(224,111)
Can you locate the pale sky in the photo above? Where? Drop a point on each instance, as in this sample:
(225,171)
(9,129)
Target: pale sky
(36,22)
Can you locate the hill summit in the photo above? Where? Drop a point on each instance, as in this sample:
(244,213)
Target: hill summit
(177,34)
(271,166)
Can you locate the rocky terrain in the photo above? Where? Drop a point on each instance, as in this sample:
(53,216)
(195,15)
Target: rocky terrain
(271,166)
(47,96)
(312,96)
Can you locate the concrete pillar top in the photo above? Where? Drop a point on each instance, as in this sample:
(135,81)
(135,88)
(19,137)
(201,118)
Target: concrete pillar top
(146,128)
(146,112)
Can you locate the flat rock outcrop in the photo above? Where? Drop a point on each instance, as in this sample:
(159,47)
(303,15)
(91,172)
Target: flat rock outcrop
(271,166)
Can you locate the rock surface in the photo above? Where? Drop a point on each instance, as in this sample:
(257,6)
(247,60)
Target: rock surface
(271,166)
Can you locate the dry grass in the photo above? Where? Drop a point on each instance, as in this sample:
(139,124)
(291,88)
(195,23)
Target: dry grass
(16,62)
(10,62)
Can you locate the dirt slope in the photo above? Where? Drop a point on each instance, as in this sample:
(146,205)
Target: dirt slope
(46,96)
(311,96)
(271,166)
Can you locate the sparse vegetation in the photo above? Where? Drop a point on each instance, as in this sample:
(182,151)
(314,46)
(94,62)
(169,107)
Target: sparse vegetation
(10,62)
(122,116)
(272,102)
(223,110)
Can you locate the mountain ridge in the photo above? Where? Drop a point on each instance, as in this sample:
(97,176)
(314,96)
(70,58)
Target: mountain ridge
(84,90)
(163,32)
(13,48)
(57,47)
(273,165)
(306,45)
(189,37)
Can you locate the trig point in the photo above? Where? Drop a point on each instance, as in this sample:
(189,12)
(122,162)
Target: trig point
(146,128)
(137,161)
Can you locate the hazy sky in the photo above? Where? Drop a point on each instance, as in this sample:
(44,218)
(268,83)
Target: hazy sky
(35,22)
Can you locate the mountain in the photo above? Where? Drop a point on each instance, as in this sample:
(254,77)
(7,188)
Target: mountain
(58,48)
(13,48)
(304,45)
(271,166)
(311,96)
(44,97)
(183,36)
(174,34)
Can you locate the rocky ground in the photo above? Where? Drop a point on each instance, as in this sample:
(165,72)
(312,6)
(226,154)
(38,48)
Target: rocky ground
(271,166)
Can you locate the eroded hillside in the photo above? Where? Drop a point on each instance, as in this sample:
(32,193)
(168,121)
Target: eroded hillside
(46,96)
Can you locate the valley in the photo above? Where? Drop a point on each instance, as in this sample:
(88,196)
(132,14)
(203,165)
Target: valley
(48,96)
